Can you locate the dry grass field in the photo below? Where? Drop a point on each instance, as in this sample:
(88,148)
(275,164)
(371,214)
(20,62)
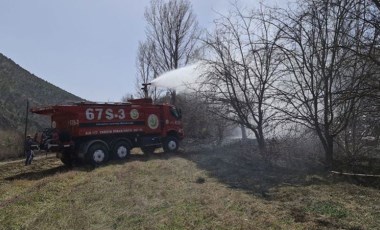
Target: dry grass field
(218,188)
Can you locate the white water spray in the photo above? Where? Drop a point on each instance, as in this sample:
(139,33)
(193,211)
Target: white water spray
(185,79)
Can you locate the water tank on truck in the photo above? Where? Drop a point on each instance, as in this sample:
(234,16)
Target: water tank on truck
(96,132)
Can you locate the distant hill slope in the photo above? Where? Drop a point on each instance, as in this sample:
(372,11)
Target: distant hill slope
(16,86)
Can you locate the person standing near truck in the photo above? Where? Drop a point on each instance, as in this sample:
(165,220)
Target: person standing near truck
(28,150)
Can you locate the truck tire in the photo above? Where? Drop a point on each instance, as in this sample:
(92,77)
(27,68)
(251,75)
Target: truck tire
(121,150)
(170,144)
(97,154)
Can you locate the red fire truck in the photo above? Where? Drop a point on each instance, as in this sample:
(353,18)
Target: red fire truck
(97,131)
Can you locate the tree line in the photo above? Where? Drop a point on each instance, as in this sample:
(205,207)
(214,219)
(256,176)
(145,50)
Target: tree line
(315,64)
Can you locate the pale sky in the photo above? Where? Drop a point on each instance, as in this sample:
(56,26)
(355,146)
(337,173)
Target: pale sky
(86,47)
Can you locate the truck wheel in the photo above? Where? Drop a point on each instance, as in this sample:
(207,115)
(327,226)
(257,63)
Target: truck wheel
(148,150)
(170,144)
(97,154)
(121,150)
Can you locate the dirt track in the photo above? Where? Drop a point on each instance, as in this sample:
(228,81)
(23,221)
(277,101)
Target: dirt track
(38,156)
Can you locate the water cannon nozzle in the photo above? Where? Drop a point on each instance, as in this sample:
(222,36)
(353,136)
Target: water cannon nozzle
(145,89)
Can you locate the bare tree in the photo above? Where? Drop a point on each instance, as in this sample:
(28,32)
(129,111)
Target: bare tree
(377,3)
(362,135)
(243,67)
(324,73)
(200,122)
(172,35)
(146,70)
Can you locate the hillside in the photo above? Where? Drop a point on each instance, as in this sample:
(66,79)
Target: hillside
(16,86)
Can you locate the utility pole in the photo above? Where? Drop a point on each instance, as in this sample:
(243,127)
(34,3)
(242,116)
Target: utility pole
(243,133)
(26,121)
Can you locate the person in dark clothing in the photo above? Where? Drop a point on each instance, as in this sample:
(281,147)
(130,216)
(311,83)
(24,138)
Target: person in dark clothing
(28,150)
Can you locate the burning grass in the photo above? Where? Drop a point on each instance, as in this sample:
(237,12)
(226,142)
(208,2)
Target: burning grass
(202,189)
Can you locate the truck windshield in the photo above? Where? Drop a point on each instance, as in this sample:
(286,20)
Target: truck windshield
(176,113)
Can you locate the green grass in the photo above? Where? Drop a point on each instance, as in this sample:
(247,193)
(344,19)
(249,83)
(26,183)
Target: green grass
(163,192)
(328,208)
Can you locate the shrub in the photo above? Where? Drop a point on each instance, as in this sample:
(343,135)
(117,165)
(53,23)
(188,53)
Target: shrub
(11,144)
(198,120)
(300,149)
